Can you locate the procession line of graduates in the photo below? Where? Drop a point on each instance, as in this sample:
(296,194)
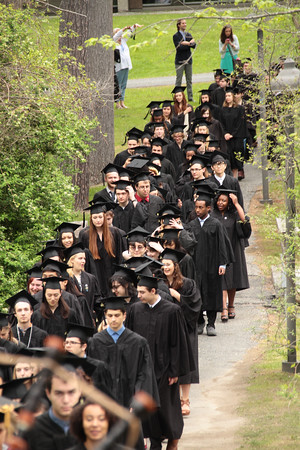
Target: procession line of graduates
(162,255)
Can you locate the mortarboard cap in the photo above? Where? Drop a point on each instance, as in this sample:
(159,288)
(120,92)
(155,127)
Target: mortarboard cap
(141,150)
(80,331)
(125,173)
(34,272)
(173,255)
(15,388)
(114,303)
(189,146)
(218,72)
(100,207)
(178,89)
(67,227)
(147,281)
(125,272)
(157,112)
(158,124)
(22,296)
(167,103)
(50,251)
(224,76)
(199,159)
(54,266)
(229,89)
(52,282)
(73,250)
(169,234)
(169,210)
(200,137)
(177,128)
(154,104)
(110,168)
(158,141)
(223,191)
(138,234)
(143,176)
(4,319)
(205,91)
(136,261)
(122,184)
(134,133)
(138,163)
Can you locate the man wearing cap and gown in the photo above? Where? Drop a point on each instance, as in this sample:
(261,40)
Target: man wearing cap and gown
(206,242)
(76,342)
(126,354)
(111,175)
(123,212)
(145,213)
(159,147)
(222,179)
(133,136)
(218,95)
(22,304)
(174,152)
(162,323)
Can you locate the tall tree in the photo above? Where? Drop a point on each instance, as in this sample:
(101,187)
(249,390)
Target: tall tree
(80,20)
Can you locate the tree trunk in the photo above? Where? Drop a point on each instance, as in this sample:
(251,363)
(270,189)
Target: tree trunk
(100,68)
(93,18)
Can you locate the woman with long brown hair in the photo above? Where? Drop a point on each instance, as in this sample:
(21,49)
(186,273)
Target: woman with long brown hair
(229,48)
(183,112)
(105,244)
(54,314)
(185,292)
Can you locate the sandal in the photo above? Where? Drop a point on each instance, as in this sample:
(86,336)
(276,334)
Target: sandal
(231,315)
(185,407)
(224,316)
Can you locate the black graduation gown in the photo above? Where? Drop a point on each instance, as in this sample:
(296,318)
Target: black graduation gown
(234,122)
(145,214)
(190,303)
(217,130)
(165,330)
(167,167)
(123,217)
(47,435)
(175,154)
(231,183)
(56,324)
(236,276)
(37,336)
(71,300)
(105,266)
(121,157)
(130,364)
(218,96)
(187,267)
(207,245)
(89,288)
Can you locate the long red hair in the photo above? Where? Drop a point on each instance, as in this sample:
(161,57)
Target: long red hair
(177,282)
(107,239)
(177,108)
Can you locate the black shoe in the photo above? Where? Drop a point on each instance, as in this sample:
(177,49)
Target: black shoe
(241,175)
(201,327)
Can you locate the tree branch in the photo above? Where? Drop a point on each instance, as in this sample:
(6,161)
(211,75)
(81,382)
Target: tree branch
(60,9)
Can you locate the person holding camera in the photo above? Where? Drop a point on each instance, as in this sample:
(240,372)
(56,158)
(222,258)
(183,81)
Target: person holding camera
(122,59)
(229,48)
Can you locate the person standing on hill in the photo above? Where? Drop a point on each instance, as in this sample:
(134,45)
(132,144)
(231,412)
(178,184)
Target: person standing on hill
(183,42)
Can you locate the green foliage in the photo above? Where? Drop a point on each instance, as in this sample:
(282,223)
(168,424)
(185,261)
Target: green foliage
(43,127)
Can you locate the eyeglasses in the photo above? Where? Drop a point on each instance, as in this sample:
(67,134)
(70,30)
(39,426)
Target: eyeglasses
(115,286)
(137,247)
(72,343)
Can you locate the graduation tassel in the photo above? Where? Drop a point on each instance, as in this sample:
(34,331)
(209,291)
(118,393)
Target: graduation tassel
(83,219)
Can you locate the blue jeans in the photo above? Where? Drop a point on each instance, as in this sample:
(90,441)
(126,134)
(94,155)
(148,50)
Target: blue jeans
(187,68)
(122,76)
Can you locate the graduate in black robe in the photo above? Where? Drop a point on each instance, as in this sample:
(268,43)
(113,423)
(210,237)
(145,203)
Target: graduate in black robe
(162,324)
(22,304)
(187,296)
(105,243)
(228,211)
(123,212)
(53,314)
(207,242)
